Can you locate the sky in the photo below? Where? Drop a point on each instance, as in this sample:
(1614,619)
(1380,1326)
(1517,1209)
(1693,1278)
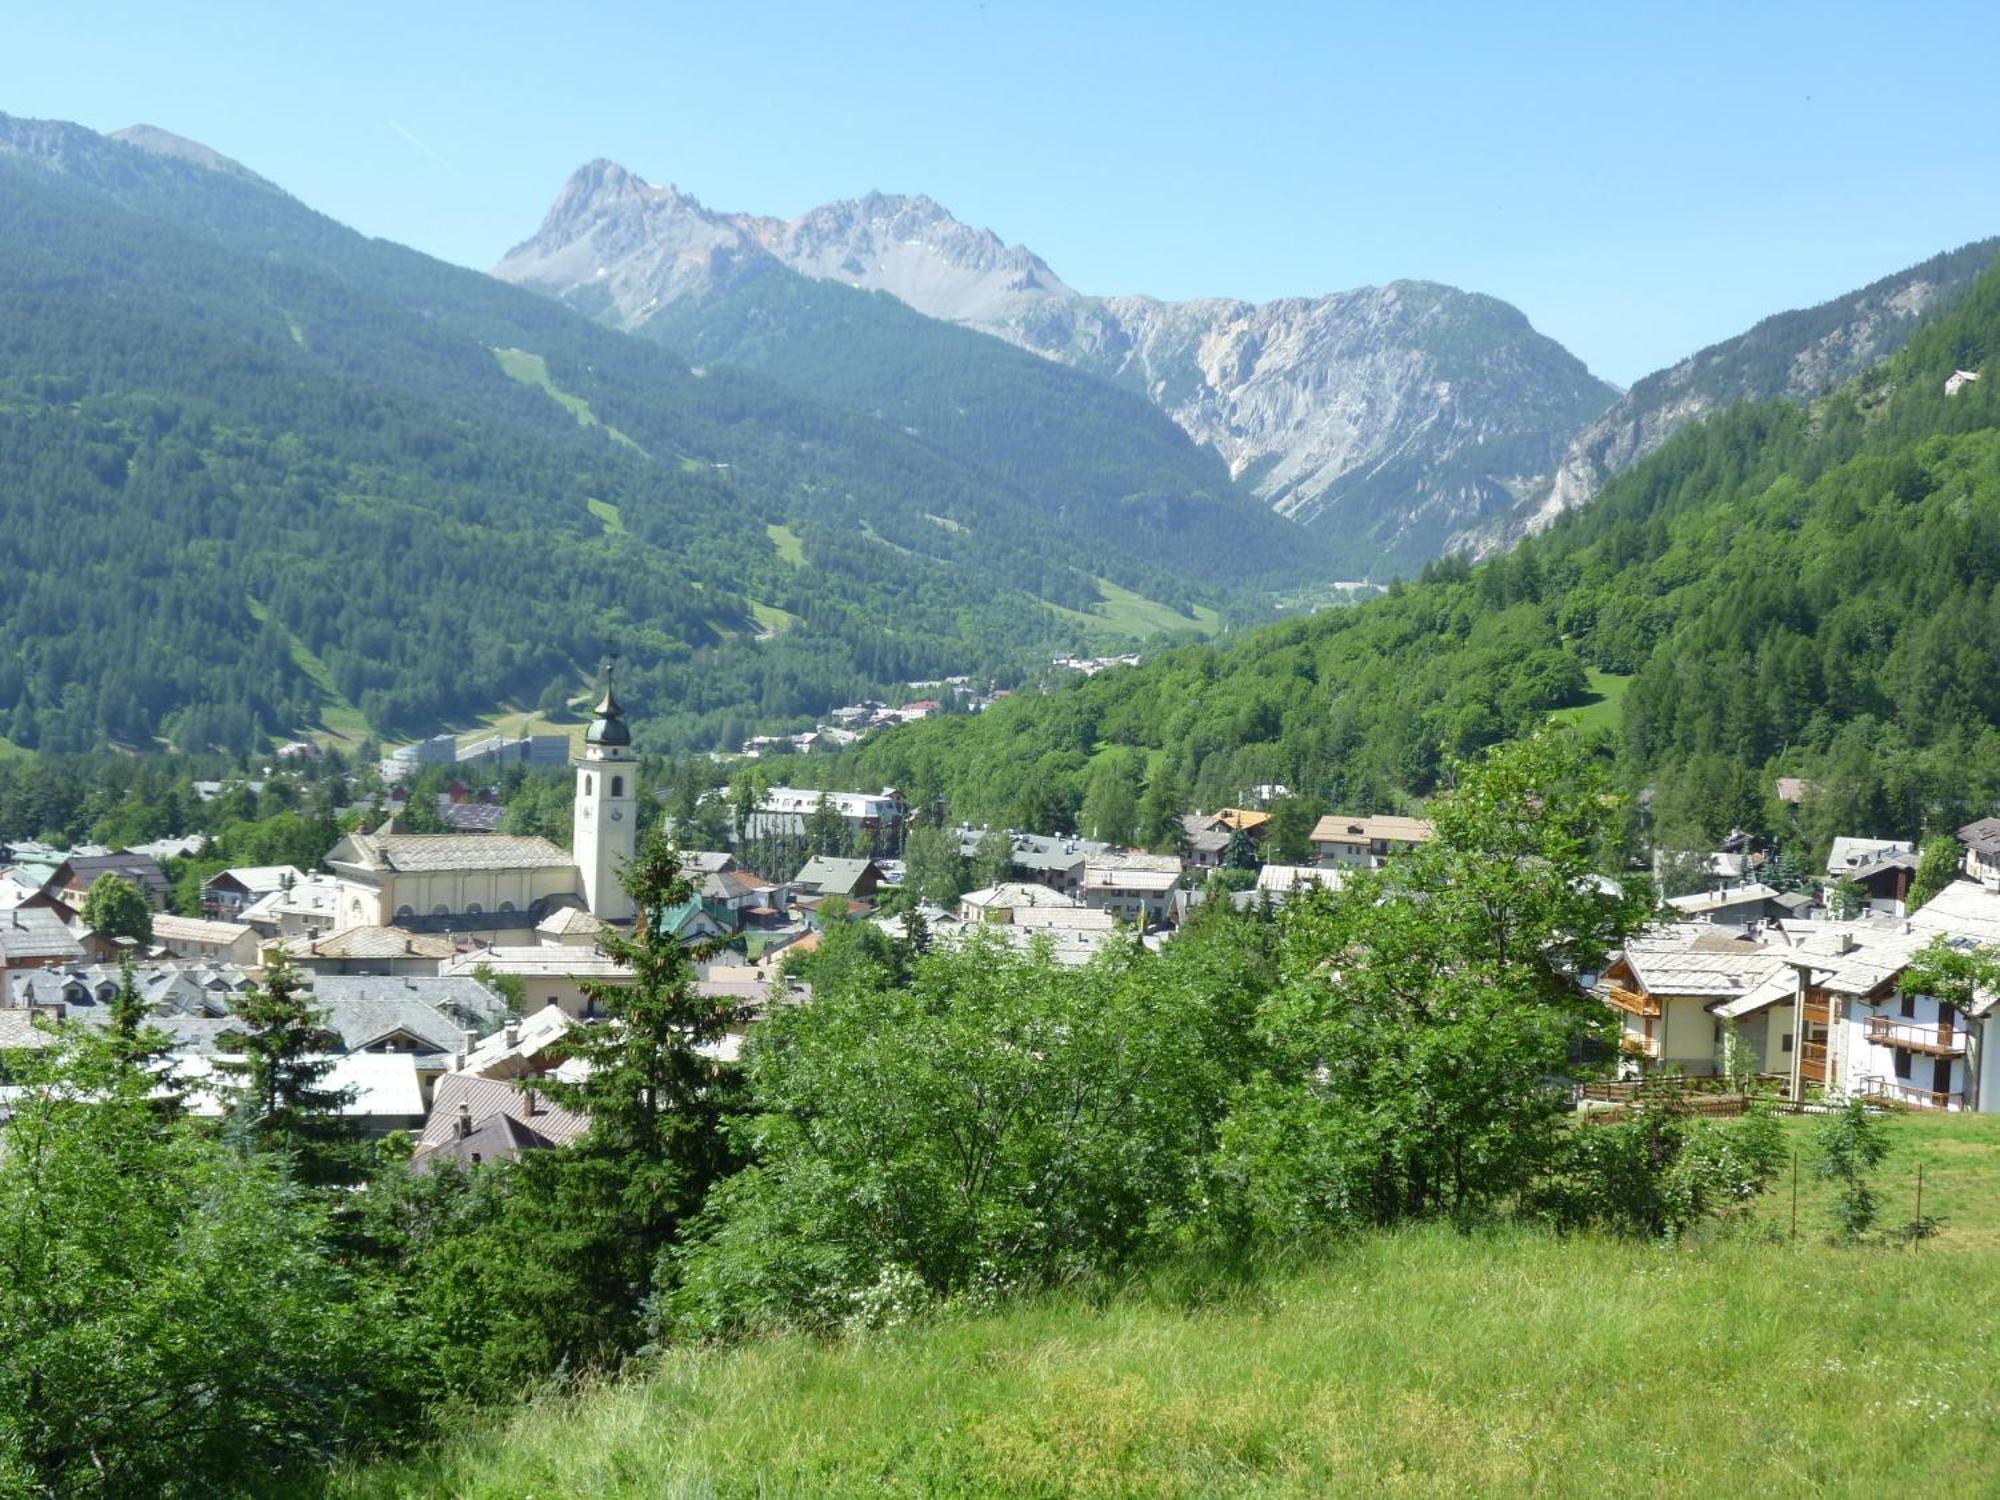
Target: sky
(1640,180)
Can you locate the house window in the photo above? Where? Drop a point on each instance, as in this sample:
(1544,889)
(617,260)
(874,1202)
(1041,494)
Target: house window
(618,786)
(1786,1045)
(1902,1063)
(1909,1004)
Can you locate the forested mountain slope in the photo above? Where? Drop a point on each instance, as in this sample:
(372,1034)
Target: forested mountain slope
(1808,590)
(1798,355)
(254,464)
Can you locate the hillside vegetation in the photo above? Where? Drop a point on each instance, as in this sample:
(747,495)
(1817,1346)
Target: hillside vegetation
(1421,1363)
(1809,590)
(209,393)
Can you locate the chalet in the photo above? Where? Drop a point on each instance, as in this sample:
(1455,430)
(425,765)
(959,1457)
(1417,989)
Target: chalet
(1734,906)
(1884,869)
(476,1120)
(366,950)
(1132,887)
(1665,985)
(824,875)
(308,906)
(1958,380)
(74,877)
(1365,842)
(36,937)
(224,896)
(1002,903)
(193,937)
(1051,860)
(1982,850)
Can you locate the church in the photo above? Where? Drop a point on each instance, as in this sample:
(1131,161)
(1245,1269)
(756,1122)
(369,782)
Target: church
(501,888)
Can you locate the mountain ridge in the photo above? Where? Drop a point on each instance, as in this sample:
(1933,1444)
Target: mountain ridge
(1395,414)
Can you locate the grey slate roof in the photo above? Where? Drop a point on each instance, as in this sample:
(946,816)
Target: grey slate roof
(417,852)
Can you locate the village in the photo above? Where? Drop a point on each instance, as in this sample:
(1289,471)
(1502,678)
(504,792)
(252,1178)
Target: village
(450,966)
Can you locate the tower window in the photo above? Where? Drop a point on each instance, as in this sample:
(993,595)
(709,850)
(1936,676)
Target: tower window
(589,785)
(618,786)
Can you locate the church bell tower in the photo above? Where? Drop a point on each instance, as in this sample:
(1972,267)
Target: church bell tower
(603,836)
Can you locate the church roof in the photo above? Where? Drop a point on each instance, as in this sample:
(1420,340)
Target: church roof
(419,852)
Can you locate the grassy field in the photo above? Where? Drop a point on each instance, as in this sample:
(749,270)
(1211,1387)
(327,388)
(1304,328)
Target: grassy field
(612,518)
(532,369)
(1426,1363)
(1122,613)
(342,725)
(1606,705)
(790,548)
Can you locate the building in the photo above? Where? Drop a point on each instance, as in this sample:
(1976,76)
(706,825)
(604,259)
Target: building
(1010,900)
(225,896)
(1733,906)
(500,886)
(366,950)
(1366,842)
(1280,881)
(1135,888)
(474,1121)
(876,817)
(1982,850)
(1958,380)
(552,975)
(194,937)
(74,877)
(37,937)
(1053,860)
(852,879)
(308,906)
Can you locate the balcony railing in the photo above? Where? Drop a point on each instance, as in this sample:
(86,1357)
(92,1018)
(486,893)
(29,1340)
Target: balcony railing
(1812,1061)
(1635,1045)
(1932,1040)
(1896,1090)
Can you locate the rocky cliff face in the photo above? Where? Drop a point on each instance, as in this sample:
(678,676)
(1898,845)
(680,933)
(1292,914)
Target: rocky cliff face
(1397,414)
(1796,356)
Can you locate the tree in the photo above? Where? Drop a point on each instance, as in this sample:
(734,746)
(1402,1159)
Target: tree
(656,1095)
(1288,836)
(1110,806)
(114,907)
(1161,808)
(933,873)
(998,1120)
(826,829)
(1937,867)
(1242,852)
(993,859)
(281,1104)
(1850,1144)
(172,1321)
(1426,1008)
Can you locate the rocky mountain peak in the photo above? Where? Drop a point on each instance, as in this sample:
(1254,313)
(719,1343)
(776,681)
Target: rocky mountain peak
(150,138)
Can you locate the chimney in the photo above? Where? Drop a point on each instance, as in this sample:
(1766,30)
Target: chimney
(463,1125)
(532,1105)
(513,1033)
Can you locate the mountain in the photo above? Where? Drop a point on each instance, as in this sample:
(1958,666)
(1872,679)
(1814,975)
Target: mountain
(1391,416)
(1777,590)
(261,473)
(1798,356)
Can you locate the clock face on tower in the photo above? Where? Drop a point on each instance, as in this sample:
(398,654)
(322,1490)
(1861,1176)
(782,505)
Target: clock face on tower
(616,815)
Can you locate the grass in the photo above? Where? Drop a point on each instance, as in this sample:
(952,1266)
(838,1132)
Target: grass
(518,722)
(532,369)
(341,723)
(1418,1364)
(609,514)
(1604,708)
(771,620)
(790,548)
(1121,614)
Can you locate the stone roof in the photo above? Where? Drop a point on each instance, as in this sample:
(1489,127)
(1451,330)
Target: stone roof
(831,876)
(370,943)
(1849,856)
(34,933)
(568,921)
(1015,895)
(1336,828)
(417,853)
(257,880)
(168,928)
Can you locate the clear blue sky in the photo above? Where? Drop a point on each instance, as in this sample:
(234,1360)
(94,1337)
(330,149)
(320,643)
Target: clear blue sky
(1639,182)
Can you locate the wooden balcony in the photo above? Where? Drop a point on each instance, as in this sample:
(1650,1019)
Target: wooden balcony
(1932,1040)
(1634,1045)
(1812,1062)
(1631,1001)
(1897,1091)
